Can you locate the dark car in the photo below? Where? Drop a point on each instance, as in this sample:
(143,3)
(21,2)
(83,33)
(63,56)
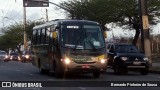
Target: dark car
(124,57)
(3,56)
(26,56)
(13,56)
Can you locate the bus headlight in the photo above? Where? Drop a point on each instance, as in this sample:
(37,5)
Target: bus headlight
(67,61)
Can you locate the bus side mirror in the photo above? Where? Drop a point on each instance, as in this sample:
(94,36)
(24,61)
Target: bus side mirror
(54,35)
(105,34)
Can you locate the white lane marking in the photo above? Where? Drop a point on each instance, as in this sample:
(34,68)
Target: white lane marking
(82,88)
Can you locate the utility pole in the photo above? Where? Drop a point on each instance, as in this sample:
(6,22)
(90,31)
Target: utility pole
(24,28)
(141,28)
(145,30)
(47,16)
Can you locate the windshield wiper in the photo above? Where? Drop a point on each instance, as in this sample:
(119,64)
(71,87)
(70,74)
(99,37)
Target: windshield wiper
(92,45)
(76,44)
(94,48)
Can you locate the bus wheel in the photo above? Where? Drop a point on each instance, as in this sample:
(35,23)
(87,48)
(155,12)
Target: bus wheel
(44,71)
(58,73)
(96,74)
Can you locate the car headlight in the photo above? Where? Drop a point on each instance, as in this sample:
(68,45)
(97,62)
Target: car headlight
(27,56)
(145,59)
(124,58)
(11,57)
(115,57)
(19,58)
(67,61)
(6,56)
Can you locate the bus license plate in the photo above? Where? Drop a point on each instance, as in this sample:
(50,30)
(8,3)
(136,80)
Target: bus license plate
(136,63)
(85,66)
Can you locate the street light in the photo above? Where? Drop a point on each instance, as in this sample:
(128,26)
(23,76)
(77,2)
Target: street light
(11,19)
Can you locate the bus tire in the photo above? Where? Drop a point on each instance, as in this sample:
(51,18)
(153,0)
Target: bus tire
(41,70)
(58,73)
(44,71)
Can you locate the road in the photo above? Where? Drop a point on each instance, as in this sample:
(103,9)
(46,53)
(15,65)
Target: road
(17,71)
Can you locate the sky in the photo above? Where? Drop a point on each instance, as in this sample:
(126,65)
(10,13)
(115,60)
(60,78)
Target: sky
(13,10)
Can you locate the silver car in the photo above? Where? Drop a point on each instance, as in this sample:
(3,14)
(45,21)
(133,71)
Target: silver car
(3,56)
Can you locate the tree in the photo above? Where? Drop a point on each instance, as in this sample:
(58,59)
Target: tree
(122,12)
(13,35)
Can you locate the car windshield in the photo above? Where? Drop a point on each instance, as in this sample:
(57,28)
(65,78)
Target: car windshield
(2,53)
(126,48)
(13,54)
(82,37)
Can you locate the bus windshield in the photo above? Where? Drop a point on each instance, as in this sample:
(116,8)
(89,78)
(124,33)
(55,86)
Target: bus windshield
(82,37)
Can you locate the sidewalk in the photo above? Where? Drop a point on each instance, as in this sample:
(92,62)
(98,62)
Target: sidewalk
(155,65)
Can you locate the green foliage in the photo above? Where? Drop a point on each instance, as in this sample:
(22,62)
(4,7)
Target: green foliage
(13,35)
(122,12)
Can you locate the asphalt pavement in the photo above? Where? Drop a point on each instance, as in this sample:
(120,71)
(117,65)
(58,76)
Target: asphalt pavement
(17,71)
(155,68)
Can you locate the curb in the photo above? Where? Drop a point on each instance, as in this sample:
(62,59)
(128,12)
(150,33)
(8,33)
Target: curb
(152,71)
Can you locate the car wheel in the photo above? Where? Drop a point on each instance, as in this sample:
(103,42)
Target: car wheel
(144,71)
(125,71)
(117,69)
(96,74)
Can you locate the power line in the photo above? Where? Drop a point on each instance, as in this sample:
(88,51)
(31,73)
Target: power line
(12,10)
(8,8)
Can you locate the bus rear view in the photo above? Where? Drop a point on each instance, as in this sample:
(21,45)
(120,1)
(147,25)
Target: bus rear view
(79,47)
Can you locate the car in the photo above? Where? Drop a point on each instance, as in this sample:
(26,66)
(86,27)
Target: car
(3,56)
(13,56)
(26,56)
(125,57)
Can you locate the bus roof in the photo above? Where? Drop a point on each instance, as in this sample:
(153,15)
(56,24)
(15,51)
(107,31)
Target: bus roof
(65,21)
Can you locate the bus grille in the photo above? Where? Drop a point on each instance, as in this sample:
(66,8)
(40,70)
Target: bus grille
(84,62)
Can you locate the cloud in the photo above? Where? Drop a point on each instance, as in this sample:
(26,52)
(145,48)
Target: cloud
(34,16)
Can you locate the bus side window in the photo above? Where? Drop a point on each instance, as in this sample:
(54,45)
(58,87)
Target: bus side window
(50,38)
(47,36)
(43,36)
(34,37)
(39,36)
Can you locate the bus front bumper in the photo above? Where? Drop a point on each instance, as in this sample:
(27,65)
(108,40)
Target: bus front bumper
(84,68)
